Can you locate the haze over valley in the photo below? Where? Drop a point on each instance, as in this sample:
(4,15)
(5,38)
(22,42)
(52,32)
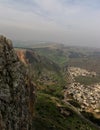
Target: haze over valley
(72,22)
(49,65)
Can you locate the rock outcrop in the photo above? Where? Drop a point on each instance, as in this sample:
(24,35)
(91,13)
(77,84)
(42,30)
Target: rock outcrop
(17,92)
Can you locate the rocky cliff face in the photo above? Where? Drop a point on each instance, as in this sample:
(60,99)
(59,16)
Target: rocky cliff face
(17,92)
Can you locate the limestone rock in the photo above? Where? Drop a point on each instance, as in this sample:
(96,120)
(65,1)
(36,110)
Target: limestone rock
(17,92)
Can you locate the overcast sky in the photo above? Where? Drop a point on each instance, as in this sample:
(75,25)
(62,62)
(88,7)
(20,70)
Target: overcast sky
(74,22)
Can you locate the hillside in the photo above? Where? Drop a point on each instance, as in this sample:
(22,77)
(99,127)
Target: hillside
(83,57)
(51,82)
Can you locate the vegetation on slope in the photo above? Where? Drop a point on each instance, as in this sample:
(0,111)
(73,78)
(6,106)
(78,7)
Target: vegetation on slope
(87,80)
(52,114)
(87,58)
(56,55)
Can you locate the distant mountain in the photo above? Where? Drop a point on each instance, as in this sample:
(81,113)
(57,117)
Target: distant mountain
(86,58)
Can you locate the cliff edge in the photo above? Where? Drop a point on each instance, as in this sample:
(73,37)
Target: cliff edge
(17,92)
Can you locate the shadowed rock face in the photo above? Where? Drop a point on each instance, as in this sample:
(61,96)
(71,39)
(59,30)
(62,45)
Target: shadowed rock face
(17,92)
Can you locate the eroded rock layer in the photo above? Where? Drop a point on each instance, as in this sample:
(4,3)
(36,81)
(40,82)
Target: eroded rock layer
(17,92)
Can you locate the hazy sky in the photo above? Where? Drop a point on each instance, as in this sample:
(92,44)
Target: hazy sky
(75,22)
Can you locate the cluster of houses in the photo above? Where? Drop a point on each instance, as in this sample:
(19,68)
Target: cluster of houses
(88,96)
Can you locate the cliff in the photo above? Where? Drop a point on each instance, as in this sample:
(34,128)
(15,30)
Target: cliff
(17,92)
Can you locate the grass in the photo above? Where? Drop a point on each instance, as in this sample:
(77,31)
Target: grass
(56,55)
(87,80)
(51,83)
(91,117)
(49,117)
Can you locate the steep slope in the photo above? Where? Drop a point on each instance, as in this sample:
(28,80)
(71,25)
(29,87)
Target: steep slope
(17,92)
(55,54)
(44,72)
(28,56)
(51,112)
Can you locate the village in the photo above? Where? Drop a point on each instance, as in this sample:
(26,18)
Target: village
(88,96)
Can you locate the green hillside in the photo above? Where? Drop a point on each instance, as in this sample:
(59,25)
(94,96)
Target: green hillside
(51,113)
